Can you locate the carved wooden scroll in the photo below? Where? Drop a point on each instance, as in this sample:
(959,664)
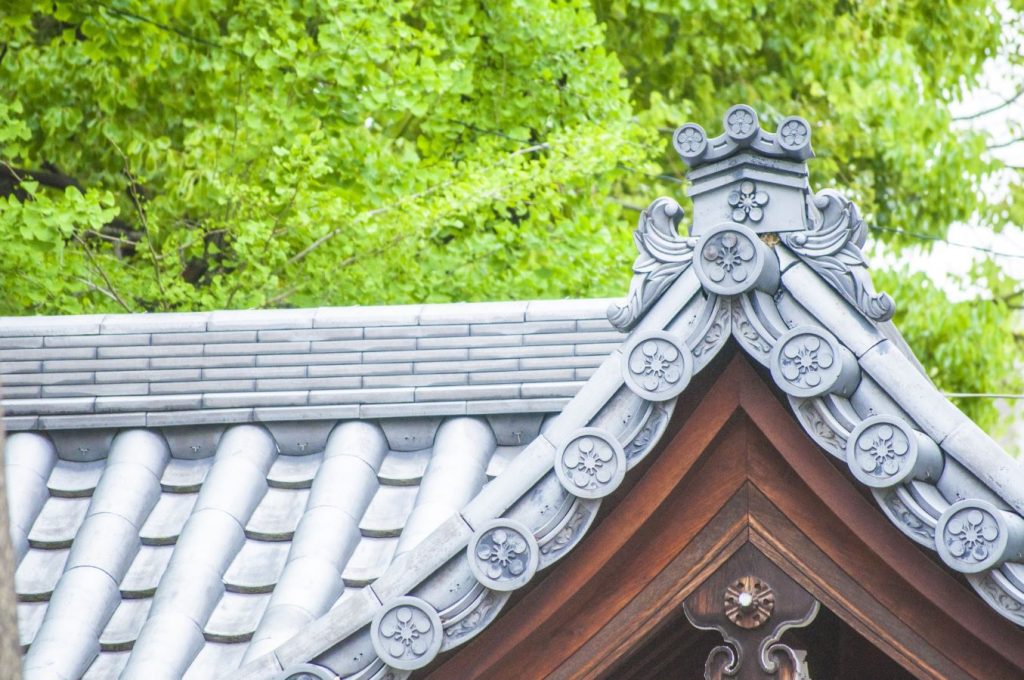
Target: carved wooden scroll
(751,602)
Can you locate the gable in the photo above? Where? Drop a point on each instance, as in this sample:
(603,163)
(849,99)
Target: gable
(733,470)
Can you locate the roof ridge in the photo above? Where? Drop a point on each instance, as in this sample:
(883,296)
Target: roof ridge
(307,317)
(348,362)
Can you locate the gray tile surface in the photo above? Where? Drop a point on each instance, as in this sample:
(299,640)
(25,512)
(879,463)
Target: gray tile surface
(193,380)
(377,496)
(154,366)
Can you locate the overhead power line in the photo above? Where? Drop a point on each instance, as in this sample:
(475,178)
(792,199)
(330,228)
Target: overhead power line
(982,395)
(938,239)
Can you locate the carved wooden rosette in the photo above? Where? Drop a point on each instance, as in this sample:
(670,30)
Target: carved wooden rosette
(751,602)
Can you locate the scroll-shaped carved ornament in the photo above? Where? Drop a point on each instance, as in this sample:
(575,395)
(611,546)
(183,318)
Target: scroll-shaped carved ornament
(663,256)
(832,248)
(1001,593)
(751,602)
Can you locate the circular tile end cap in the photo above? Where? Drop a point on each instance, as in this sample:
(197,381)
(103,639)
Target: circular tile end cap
(307,671)
(884,451)
(591,464)
(406,633)
(809,362)
(741,124)
(657,365)
(691,142)
(731,259)
(503,554)
(974,535)
(794,136)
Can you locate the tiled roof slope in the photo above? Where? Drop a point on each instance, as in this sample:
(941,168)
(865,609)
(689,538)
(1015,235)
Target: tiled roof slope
(277,522)
(159,370)
(265,534)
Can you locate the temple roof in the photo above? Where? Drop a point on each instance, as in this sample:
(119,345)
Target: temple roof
(167,396)
(328,491)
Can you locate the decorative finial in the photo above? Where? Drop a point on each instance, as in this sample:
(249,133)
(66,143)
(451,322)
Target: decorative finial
(750,194)
(791,139)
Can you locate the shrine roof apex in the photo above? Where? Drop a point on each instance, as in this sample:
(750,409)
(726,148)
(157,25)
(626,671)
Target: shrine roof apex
(743,133)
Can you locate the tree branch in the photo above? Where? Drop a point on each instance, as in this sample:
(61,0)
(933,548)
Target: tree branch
(99,289)
(266,243)
(392,242)
(400,202)
(282,296)
(50,176)
(103,274)
(134,190)
(985,112)
(1003,145)
(123,14)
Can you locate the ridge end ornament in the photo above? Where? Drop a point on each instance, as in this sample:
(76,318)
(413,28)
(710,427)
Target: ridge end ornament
(831,246)
(663,256)
(758,179)
(748,174)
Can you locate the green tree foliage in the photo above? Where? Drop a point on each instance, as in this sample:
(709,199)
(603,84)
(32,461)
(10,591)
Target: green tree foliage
(186,154)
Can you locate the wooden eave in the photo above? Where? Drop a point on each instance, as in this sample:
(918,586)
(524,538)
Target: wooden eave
(736,468)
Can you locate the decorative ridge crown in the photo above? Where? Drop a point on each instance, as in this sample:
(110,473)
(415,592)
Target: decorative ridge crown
(750,194)
(791,139)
